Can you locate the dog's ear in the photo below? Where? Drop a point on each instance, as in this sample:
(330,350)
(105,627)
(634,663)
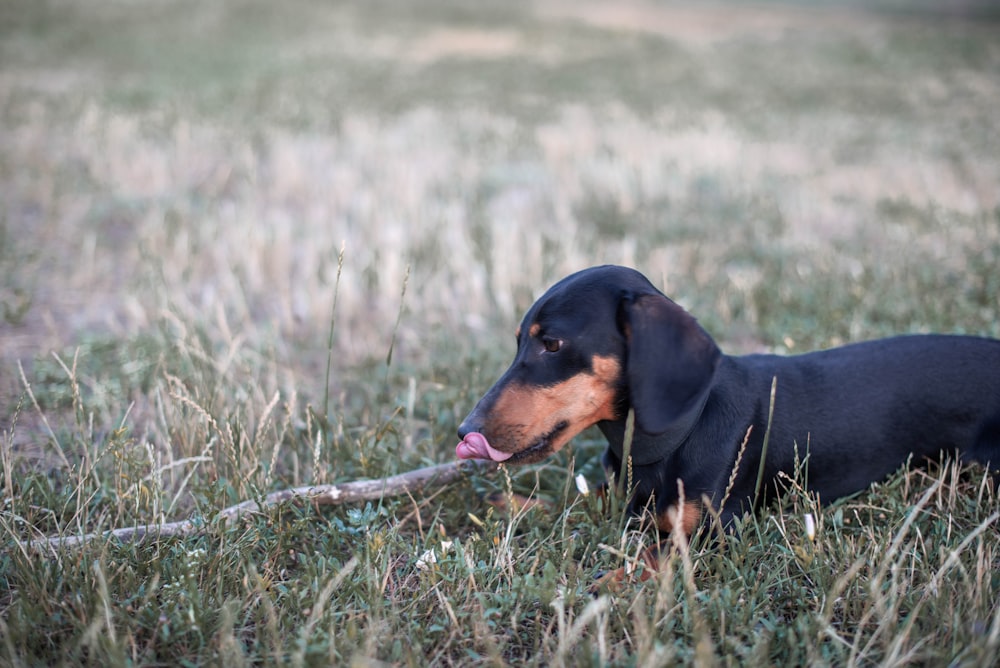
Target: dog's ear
(670,362)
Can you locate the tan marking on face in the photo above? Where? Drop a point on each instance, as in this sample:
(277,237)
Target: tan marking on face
(686,518)
(606,368)
(517,332)
(534,330)
(523,415)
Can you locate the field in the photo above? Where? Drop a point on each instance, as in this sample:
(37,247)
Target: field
(247,246)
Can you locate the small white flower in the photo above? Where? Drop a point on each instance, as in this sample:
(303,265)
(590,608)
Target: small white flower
(428,558)
(581,484)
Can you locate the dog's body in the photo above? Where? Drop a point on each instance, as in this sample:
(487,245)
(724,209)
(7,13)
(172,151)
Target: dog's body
(604,340)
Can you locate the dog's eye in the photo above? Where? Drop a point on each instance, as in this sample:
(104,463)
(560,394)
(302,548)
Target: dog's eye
(552,345)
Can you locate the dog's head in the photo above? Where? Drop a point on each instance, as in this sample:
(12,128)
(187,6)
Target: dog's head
(598,342)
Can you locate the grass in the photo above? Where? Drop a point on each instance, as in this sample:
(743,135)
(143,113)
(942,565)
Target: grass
(244,248)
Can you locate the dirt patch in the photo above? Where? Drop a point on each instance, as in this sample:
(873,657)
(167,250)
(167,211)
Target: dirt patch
(469,43)
(707,24)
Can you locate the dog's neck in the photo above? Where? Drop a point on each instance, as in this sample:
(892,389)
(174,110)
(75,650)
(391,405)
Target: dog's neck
(648,448)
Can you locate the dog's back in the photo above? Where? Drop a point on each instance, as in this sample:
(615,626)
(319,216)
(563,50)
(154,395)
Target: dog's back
(860,411)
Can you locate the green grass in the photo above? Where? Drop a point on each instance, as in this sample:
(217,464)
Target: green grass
(178,182)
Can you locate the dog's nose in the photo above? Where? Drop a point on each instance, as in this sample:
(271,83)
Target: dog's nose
(470,424)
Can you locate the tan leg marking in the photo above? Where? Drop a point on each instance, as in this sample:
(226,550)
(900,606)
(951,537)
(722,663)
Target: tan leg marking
(686,518)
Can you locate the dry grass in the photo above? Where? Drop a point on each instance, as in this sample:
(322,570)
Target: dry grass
(177,184)
(124,214)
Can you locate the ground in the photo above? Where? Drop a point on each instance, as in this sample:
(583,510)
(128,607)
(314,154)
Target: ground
(248,246)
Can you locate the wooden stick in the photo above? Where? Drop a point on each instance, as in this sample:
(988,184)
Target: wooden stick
(319,495)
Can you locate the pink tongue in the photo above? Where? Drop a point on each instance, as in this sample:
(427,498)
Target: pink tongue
(475,446)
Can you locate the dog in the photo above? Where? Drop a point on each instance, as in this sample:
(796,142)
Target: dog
(605,342)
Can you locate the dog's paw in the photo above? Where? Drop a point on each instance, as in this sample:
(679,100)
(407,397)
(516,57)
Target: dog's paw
(512,504)
(611,582)
(608,582)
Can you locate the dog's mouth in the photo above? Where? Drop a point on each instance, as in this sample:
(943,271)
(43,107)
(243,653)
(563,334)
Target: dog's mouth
(477,446)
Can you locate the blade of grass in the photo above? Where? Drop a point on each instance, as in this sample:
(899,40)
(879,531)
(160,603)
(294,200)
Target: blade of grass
(395,329)
(329,342)
(767,439)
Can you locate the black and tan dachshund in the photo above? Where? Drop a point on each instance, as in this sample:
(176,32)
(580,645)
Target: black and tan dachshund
(604,340)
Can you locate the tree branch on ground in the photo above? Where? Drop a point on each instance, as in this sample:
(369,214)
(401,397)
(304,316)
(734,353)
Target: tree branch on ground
(421,479)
